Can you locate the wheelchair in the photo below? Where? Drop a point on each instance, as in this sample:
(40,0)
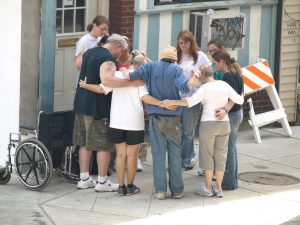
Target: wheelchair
(39,151)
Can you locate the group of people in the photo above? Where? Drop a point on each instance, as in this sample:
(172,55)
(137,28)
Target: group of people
(114,84)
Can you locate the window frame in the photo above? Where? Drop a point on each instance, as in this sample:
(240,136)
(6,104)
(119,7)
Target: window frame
(74,8)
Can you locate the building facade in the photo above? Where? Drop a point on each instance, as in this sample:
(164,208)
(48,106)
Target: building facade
(38,64)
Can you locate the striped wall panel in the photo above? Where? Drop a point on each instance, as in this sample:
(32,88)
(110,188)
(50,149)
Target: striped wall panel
(154,31)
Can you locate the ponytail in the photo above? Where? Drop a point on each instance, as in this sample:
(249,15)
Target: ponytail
(98,20)
(230,62)
(234,67)
(89,27)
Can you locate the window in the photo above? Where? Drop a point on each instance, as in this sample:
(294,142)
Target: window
(70,16)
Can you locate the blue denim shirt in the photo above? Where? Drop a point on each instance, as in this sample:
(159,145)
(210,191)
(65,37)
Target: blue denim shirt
(164,81)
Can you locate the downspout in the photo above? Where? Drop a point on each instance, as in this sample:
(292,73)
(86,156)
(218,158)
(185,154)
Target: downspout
(278,44)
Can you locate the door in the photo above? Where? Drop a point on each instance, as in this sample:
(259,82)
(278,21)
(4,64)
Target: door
(71,22)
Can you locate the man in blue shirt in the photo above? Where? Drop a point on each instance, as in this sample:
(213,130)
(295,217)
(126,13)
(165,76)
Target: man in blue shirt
(164,80)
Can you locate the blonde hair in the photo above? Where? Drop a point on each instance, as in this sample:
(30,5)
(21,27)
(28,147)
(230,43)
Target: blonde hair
(206,71)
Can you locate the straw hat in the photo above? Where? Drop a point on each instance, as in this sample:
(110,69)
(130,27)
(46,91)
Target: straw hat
(169,52)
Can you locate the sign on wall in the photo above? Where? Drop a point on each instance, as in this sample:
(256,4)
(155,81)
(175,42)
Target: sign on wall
(229,30)
(225,25)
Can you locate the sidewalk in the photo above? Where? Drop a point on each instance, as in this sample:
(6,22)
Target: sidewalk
(251,204)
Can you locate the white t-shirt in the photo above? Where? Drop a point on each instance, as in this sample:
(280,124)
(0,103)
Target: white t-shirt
(86,42)
(213,96)
(188,67)
(127,111)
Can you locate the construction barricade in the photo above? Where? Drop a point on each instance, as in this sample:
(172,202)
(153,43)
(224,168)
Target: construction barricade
(257,77)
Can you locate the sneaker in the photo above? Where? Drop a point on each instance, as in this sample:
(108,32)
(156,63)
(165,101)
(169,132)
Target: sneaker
(204,191)
(139,167)
(132,190)
(160,195)
(106,186)
(217,192)
(177,195)
(193,163)
(201,172)
(122,190)
(85,184)
(184,169)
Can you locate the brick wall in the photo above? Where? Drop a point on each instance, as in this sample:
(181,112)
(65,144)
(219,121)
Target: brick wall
(261,103)
(121,17)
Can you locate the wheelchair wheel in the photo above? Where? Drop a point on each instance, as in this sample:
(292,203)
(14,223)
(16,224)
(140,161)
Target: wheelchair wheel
(4,175)
(33,164)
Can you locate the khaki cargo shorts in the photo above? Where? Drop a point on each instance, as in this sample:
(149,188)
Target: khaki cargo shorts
(91,133)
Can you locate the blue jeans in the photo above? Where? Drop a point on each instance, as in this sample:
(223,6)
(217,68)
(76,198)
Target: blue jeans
(230,180)
(189,120)
(165,138)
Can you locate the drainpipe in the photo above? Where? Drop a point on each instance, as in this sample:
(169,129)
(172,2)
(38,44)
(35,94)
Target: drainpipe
(278,44)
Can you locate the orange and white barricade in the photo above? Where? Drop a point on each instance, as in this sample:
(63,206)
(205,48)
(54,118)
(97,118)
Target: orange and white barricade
(257,77)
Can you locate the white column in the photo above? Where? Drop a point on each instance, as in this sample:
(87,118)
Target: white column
(254,39)
(10,14)
(165,26)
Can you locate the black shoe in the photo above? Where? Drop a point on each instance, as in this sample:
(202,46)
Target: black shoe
(187,168)
(132,190)
(122,191)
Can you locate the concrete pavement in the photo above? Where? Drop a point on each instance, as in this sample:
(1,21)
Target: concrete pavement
(254,204)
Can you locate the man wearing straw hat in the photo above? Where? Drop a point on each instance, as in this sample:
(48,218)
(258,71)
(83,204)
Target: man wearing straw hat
(164,80)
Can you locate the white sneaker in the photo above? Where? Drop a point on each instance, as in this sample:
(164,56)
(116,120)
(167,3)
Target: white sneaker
(106,186)
(204,191)
(87,183)
(217,192)
(139,167)
(160,195)
(201,172)
(193,162)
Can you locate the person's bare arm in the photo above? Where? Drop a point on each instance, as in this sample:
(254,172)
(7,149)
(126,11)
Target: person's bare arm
(91,87)
(107,70)
(148,99)
(192,81)
(78,61)
(169,103)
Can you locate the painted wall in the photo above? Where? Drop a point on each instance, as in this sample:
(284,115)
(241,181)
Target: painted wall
(10,44)
(156,28)
(30,43)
